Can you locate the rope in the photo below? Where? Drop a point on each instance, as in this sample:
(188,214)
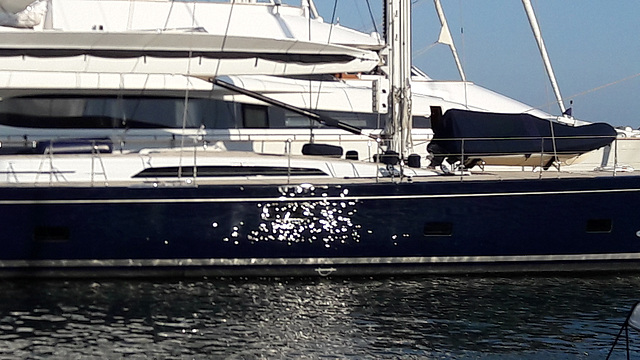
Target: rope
(598,88)
(424,50)
(604,86)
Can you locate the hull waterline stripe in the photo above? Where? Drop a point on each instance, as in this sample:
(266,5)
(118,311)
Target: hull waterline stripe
(372,261)
(304,199)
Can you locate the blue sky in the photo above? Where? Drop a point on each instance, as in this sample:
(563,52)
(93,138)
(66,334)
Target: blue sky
(591,43)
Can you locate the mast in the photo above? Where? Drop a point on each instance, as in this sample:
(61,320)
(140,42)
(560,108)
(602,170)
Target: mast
(314,10)
(398,19)
(543,52)
(446,38)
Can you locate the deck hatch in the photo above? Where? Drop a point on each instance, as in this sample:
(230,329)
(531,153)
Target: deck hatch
(220,171)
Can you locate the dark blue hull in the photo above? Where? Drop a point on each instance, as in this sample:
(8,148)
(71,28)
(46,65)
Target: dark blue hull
(353,229)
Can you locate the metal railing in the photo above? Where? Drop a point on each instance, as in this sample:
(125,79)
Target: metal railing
(464,153)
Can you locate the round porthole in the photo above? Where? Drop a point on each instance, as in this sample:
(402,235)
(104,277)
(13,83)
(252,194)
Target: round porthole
(638,233)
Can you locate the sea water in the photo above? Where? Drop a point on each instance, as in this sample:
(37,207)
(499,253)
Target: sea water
(523,317)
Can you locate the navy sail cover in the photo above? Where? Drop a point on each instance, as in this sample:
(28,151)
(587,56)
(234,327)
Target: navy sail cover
(505,134)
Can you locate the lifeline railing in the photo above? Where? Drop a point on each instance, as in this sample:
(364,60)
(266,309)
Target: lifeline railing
(466,153)
(80,146)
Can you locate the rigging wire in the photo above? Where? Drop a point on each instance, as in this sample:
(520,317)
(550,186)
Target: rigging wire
(185,112)
(597,88)
(373,20)
(424,50)
(130,19)
(464,53)
(311,106)
(226,35)
(166,23)
(333,19)
(604,86)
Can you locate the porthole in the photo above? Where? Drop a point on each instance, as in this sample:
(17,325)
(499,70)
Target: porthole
(51,233)
(599,225)
(438,228)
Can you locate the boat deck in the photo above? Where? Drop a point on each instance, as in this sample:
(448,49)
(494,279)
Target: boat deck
(316,180)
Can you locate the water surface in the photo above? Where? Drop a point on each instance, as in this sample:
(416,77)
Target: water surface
(386,318)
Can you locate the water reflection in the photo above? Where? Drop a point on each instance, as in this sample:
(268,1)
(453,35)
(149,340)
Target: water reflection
(428,317)
(293,222)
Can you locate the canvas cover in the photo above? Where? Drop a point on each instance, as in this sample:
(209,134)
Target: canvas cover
(506,134)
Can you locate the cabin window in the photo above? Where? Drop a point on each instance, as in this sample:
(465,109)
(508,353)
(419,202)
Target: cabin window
(155,112)
(107,112)
(255,116)
(360,120)
(599,225)
(294,120)
(217,114)
(438,228)
(51,233)
(421,122)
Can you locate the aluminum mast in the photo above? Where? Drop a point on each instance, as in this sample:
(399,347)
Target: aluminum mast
(543,52)
(398,18)
(446,38)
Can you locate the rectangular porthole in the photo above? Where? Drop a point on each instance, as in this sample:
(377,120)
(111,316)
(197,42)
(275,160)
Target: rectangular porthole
(599,225)
(51,233)
(438,228)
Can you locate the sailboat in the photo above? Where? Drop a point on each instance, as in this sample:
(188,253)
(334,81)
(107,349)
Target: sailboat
(83,97)
(90,207)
